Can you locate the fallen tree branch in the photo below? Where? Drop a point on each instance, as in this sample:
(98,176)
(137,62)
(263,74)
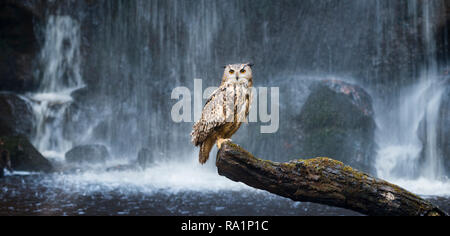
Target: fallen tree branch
(322,180)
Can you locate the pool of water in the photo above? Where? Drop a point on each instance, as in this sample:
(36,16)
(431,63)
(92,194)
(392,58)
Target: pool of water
(50,195)
(149,193)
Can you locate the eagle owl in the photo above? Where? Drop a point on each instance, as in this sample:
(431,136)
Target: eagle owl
(225,110)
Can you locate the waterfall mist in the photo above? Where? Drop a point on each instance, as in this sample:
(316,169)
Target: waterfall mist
(107,70)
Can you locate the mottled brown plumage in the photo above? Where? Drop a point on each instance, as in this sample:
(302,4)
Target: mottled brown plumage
(225,110)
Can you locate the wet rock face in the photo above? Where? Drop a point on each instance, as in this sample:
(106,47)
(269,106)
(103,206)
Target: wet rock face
(17,123)
(18,45)
(120,168)
(88,154)
(442,35)
(5,162)
(337,121)
(16,116)
(145,158)
(23,155)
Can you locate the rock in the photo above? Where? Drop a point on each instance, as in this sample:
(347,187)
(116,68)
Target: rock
(337,121)
(16,116)
(91,154)
(443,34)
(5,162)
(23,155)
(82,94)
(145,158)
(100,131)
(127,167)
(16,123)
(18,44)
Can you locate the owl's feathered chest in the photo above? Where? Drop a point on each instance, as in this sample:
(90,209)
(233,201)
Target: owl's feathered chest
(237,99)
(223,113)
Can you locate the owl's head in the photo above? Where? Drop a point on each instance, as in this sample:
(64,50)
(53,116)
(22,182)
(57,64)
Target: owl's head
(238,74)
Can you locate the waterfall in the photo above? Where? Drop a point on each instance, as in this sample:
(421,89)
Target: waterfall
(407,132)
(136,52)
(432,168)
(60,75)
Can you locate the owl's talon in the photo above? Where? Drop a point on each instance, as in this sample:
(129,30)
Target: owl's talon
(221,141)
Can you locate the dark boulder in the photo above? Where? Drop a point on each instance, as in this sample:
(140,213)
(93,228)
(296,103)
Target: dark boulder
(88,154)
(18,44)
(337,121)
(23,155)
(16,115)
(145,158)
(16,123)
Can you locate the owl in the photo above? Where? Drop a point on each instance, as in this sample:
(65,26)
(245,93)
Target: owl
(225,110)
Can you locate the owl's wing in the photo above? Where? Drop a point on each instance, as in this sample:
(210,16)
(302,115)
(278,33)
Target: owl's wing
(213,116)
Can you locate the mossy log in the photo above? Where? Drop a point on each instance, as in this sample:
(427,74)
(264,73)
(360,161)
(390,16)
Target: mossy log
(322,180)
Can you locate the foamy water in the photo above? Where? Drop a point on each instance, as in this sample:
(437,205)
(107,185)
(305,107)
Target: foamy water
(189,176)
(171,176)
(425,187)
(18,173)
(54,98)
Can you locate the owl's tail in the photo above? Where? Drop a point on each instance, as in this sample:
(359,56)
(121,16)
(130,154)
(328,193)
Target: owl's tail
(205,149)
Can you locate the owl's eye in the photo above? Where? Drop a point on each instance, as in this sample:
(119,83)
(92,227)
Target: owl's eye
(242,71)
(231,71)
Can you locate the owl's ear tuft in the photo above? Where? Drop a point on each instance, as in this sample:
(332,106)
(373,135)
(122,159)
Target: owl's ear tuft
(250,64)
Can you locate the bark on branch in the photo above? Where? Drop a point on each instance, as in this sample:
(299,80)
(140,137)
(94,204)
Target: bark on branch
(322,180)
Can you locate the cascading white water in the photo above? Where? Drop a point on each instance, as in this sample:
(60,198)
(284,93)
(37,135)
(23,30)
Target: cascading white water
(408,132)
(408,152)
(60,76)
(432,166)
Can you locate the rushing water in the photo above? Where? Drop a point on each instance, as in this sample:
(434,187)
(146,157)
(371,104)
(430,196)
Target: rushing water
(408,129)
(107,70)
(407,138)
(60,76)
